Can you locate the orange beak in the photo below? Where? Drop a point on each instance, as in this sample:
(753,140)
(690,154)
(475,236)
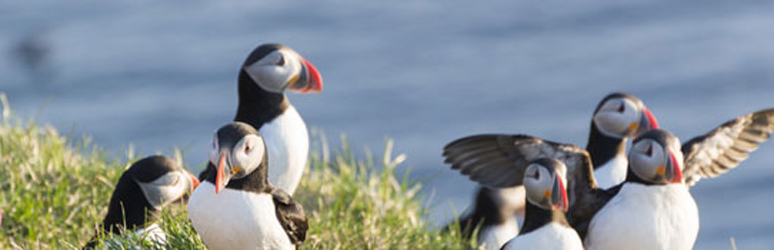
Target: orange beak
(677,177)
(219,185)
(313,78)
(651,119)
(563,192)
(194,181)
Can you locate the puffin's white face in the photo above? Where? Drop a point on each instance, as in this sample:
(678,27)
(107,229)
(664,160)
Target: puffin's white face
(650,161)
(167,188)
(277,70)
(245,157)
(546,188)
(618,117)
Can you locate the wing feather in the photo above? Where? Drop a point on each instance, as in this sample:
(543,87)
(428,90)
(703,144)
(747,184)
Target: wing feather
(723,148)
(499,161)
(290,215)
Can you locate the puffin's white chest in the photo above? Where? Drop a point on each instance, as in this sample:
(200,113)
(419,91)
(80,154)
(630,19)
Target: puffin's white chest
(287,141)
(646,217)
(551,236)
(612,173)
(236,219)
(494,237)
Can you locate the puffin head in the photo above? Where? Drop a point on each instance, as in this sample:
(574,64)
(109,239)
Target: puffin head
(161,180)
(544,182)
(237,150)
(276,68)
(656,158)
(621,115)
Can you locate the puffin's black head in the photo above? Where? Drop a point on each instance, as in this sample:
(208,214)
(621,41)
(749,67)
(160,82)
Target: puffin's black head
(656,158)
(147,186)
(275,68)
(621,115)
(237,150)
(161,180)
(544,182)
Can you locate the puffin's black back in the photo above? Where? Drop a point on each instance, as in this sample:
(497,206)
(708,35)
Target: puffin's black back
(486,212)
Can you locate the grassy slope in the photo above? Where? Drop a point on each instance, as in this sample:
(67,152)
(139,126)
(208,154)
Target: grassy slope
(54,193)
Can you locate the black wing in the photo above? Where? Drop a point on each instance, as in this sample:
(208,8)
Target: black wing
(499,161)
(291,216)
(723,148)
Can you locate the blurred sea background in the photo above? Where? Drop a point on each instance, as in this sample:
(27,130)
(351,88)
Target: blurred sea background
(160,75)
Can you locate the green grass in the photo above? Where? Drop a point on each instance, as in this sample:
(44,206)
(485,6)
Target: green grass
(54,193)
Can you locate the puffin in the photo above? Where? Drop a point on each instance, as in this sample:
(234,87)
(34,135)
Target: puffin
(653,208)
(267,72)
(496,211)
(545,226)
(235,206)
(661,173)
(143,190)
(678,168)
(617,117)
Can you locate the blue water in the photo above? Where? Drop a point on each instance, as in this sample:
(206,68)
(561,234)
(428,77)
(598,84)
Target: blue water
(160,75)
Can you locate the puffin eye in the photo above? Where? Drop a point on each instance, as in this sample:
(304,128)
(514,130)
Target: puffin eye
(649,151)
(281,61)
(536,175)
(247,149)
(621,108)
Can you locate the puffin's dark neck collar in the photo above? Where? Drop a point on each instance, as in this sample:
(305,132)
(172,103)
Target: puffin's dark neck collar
(257,181)
(258,106)
(631,177)
(603,148)
(536,217)
(128,208)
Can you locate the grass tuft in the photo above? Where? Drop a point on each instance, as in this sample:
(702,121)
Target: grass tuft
(54,193)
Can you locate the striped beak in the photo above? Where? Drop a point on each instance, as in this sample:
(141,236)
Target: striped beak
(647,122)
(309,81)
(224,172)
(559,194)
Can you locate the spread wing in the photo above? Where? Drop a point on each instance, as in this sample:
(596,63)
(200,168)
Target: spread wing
(499,161)
(291,216)
(723,148)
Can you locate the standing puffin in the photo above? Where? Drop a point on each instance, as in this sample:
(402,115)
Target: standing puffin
(266,74)
(142,191)
(617,117)
(236,207)
(545,226)
(652,209)
(661,171)
(658,176)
